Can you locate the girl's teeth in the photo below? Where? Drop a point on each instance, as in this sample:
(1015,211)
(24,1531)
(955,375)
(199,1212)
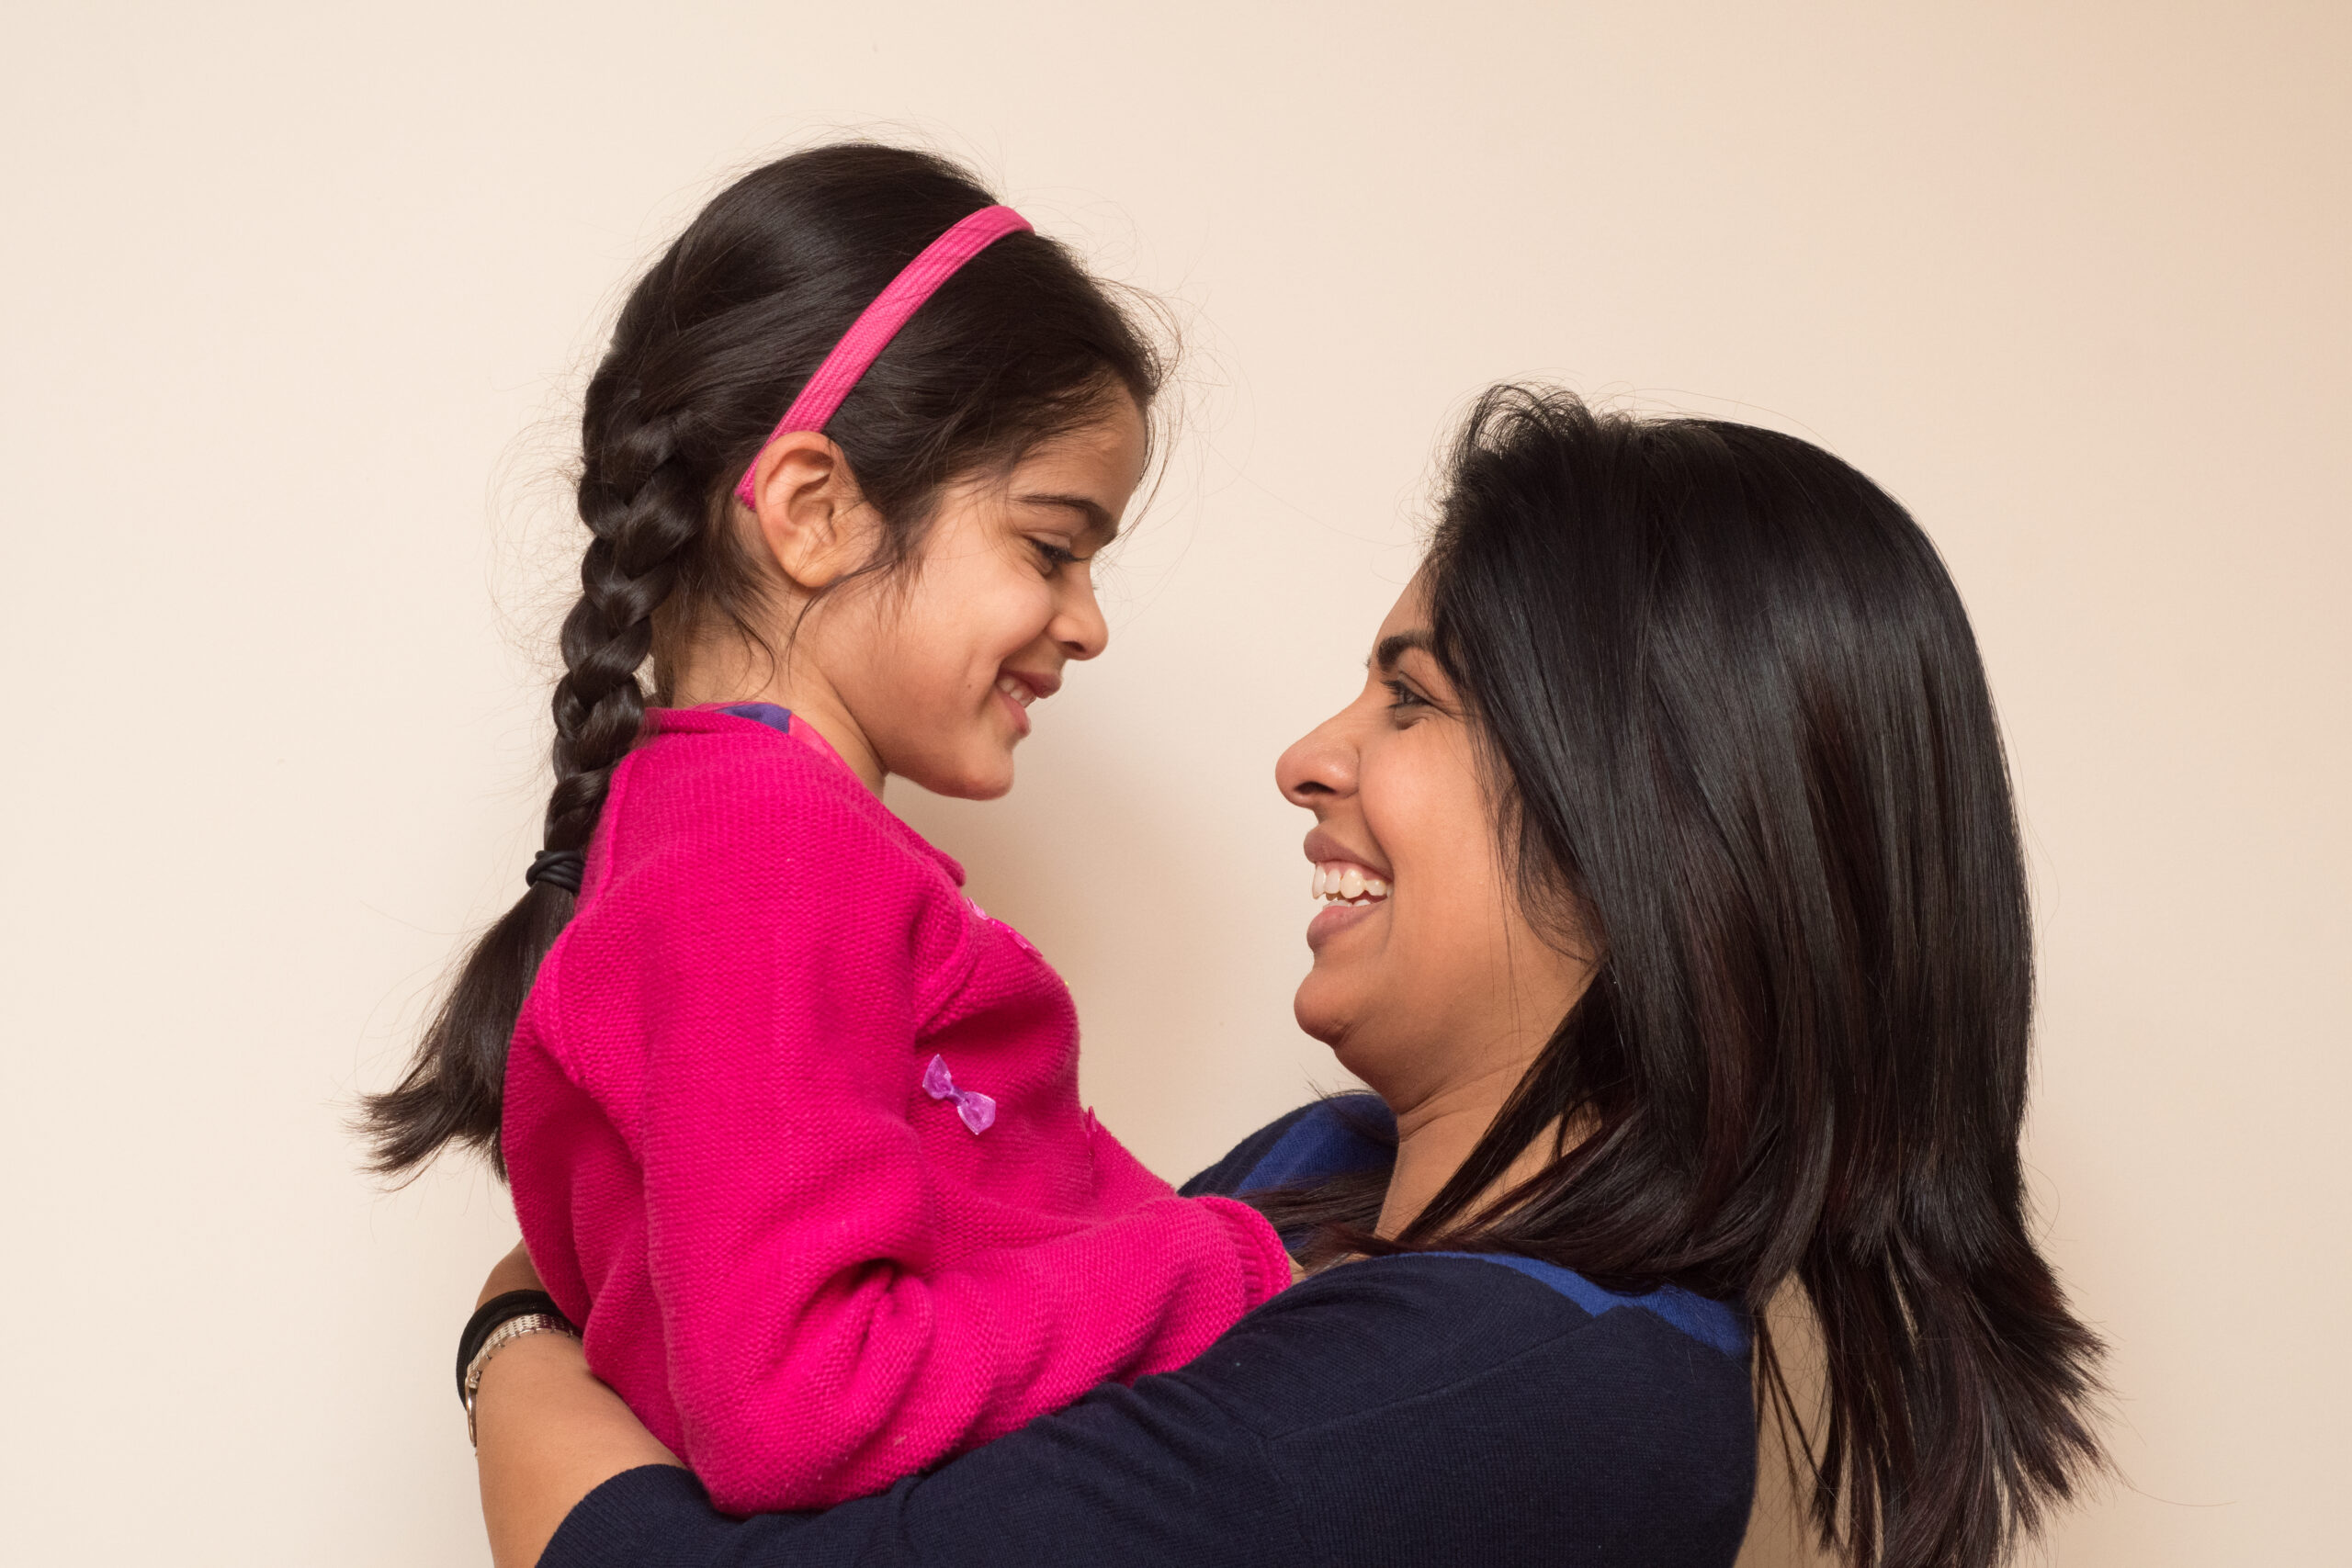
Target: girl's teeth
(1016,691)
(1351,884)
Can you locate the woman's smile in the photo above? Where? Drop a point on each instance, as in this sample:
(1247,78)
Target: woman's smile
(1350,887)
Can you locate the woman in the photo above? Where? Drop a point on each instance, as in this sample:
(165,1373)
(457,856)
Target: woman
(1679,926)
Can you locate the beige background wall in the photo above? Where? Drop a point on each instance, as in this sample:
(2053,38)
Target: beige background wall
(294,300)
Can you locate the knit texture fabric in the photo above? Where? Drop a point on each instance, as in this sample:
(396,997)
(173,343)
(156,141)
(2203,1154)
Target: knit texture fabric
(807,1275)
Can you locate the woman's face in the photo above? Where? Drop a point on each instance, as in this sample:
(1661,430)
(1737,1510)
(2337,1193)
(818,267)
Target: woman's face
(1429,983)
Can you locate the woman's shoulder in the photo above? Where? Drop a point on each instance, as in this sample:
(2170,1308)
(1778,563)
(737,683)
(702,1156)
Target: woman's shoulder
(1322,1138)
(1506,1369)
(1423,1302)
(1402,1396)
(1441,1321)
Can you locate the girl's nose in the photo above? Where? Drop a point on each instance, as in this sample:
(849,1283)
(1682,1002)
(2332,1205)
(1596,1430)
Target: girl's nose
(1078,627)
(1320,766)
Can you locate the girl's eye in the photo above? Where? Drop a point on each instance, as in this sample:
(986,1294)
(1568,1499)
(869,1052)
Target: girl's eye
(1054,557)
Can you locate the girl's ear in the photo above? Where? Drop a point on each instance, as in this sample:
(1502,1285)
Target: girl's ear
(811,520)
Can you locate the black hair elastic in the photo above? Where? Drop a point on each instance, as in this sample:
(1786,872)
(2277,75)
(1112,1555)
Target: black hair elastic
(560,868)
(493,1311)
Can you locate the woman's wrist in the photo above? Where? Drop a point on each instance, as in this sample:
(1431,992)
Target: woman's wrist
(550,1434)
(521,1317)
(496,1319)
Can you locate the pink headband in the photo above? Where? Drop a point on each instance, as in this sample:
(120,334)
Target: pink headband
(879,323)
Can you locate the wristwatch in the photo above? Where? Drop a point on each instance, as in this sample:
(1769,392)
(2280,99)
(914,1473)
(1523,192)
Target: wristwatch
(498,1323)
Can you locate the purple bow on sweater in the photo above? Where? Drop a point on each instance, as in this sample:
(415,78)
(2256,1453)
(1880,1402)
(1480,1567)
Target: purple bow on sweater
(978,1110)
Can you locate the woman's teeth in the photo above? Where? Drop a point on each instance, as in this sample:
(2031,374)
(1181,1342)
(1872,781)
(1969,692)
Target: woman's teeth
(1017,690)
(1338,882)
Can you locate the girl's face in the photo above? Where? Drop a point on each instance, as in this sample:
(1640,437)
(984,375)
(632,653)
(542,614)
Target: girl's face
(1428,982)
(935,668)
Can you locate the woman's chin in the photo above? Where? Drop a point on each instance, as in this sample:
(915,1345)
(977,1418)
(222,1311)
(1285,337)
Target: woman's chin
(1322,1009)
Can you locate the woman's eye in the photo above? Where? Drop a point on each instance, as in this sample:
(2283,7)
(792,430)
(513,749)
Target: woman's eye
(1402,698)
(1054,557)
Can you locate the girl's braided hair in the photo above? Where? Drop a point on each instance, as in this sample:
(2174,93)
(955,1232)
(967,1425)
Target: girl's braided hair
(1018,346)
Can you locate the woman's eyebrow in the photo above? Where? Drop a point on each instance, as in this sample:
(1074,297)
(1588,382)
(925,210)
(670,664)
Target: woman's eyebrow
(1396,647)
(1098,519)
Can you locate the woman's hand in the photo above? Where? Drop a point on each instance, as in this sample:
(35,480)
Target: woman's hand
(549,1432)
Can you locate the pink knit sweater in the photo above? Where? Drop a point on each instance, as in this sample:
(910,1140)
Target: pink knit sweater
(805,1272)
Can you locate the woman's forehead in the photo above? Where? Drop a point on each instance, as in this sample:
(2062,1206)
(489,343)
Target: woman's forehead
(1410,614)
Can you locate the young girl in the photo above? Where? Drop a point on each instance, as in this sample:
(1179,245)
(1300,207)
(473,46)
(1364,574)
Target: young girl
(792,1126)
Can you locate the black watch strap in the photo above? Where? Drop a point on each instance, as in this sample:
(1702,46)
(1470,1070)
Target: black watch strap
(493,1311)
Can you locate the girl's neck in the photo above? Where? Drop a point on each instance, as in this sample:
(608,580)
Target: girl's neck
(790,685)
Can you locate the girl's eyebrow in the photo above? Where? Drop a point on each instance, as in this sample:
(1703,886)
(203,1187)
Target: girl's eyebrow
(1098,520)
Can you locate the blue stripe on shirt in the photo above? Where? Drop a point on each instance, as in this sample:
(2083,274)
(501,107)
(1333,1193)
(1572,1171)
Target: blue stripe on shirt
(1339,1137)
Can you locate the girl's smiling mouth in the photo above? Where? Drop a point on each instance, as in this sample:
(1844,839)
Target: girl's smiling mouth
(1017,689)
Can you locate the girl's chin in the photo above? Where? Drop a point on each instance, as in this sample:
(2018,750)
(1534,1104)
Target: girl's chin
(993,786)
(985,776)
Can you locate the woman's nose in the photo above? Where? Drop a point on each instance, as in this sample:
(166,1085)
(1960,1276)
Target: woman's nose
(1319,767)
(1078,625)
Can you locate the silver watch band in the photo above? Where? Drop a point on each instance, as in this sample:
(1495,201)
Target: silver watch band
(506,1333)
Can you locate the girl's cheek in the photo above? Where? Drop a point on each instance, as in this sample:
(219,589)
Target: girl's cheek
(1026,618)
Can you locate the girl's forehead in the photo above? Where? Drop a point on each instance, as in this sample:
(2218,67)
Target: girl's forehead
(1090,474)
(1116,439)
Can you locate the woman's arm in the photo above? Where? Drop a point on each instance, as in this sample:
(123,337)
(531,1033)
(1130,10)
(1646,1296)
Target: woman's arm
(570,1479)
(549,1434)
(1390,1412)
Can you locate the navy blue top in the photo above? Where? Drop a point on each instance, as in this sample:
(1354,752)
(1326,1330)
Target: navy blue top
(1429,1409)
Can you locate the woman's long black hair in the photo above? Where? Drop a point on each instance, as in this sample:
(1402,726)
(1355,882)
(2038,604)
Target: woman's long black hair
(1745,755)
(1021,345)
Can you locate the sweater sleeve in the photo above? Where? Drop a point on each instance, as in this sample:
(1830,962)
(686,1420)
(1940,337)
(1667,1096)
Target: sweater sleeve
(1384,1414)
(772,971)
